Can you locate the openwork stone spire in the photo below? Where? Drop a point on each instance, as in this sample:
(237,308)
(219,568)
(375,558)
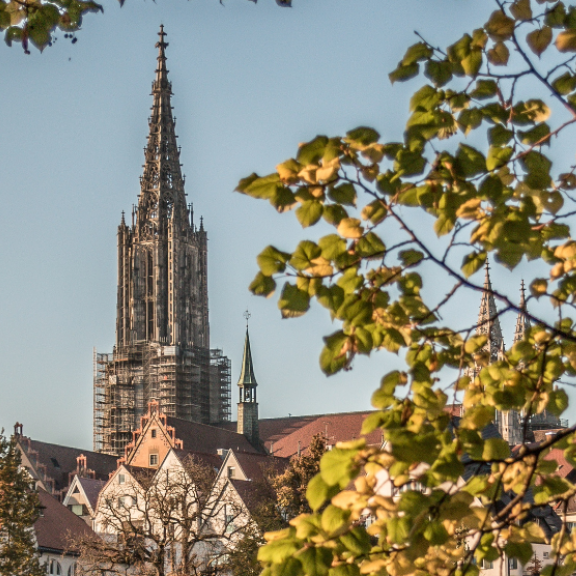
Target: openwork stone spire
(162,196)
(522,322)
(488,322)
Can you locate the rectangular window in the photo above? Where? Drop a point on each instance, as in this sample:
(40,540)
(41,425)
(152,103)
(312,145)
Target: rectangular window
(153,433)
(485,565)
(231,472)
(545,554)
(121,478)
(153,459)
(512,564)
(78,509)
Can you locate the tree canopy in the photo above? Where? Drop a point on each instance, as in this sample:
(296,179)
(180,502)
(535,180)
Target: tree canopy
(19,509)
(37,22)
(476,174)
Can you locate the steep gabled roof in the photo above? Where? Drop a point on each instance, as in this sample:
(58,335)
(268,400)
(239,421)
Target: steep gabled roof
(60,462)
(91,489)
(58,526)
(256,465)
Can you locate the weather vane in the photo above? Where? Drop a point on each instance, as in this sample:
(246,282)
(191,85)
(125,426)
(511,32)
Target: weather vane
(247,316)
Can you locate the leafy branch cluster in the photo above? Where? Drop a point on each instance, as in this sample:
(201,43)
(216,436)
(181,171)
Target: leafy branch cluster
(495,194)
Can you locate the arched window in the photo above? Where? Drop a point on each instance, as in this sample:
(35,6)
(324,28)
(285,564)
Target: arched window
(72,569)
(55,568)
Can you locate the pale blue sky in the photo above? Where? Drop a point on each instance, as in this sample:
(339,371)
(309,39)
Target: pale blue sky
(250,82)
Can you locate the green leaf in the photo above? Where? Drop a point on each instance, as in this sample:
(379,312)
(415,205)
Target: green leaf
(362,135)
(557,402)
(495,449)
(410,257)
(520,550)
(538,168)
(318,492)
(499,136)
(370,245)
(332,358)
(556,15)
(357,541)
(473,262)
(565,83)
(498,157)
(312,152)
(344,194)
(416,53)
(263,188)
(271,260)
(315,561)
(534,134)
(409,163)
(338,467)
(305,252)
(538,40)
(426,98)
(470,161)
(293,302)
(262,285)
(472,63)
(484,89)
(309,213)
(334,520)
(403,73)
(330,297)
(440,72)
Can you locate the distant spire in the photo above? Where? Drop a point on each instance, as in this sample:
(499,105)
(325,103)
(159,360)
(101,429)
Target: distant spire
(247,378)
(123,222)
(162,185)
(488,322)
(522,322)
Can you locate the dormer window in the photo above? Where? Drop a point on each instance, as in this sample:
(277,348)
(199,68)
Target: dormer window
(153,433)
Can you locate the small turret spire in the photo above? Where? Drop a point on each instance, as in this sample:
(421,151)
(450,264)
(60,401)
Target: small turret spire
(522,321)
(247,378)
(248,406)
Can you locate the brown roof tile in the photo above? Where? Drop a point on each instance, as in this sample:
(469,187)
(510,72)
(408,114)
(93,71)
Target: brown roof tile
(60,461)
(58,526)
(203,438)
(255,465)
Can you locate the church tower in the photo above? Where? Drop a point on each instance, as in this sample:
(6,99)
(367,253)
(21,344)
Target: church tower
(248,406)
(162,349)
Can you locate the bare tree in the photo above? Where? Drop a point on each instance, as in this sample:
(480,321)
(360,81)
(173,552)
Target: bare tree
(171,521)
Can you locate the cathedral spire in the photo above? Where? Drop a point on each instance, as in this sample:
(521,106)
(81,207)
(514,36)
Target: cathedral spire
(522,322)
(162,184)
(488,322)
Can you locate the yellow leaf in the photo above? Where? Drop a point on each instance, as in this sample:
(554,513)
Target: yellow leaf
(566,41)
(521,10)
(499,54)
(499,26)
(539,40)
(538,287)
(350,228)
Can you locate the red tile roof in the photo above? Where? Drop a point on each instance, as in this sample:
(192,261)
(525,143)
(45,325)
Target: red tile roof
(286,436)
(58,526)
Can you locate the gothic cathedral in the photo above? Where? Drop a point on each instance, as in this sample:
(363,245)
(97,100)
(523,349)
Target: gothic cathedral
(162,349)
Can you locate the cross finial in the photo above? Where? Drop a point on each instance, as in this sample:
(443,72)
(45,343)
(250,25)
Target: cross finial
(247,315)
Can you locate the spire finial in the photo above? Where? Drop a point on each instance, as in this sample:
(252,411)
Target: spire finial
(247,315)
(522,294)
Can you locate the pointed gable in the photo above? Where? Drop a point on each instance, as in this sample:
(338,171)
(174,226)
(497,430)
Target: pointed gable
(152,441)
